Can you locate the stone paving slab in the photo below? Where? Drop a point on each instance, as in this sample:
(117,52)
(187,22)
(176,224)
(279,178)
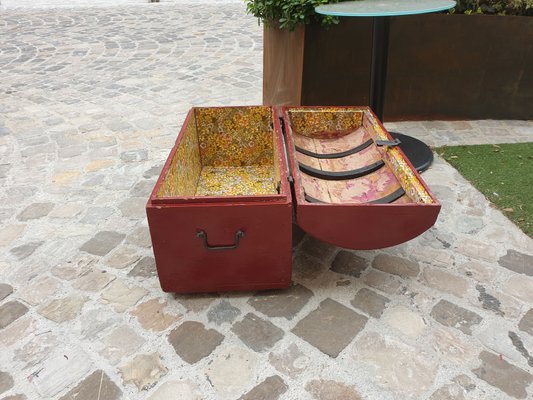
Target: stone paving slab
(91,102)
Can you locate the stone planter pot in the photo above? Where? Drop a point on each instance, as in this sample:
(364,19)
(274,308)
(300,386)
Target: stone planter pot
(440,66)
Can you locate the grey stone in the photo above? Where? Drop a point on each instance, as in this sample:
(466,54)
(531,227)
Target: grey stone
(465,382)
(10,312)
(257,333)
(145,268)
(95,323)
(469,225)
(118,125)
(131,156)
(348,263)
(140,237)
(291,361)
(284,303)
(381,281)
(517,262)
(526,323)
(96,215)
(142,189)
(10,233)
(5,290)
(407,321)
(231,371)
(25,250)
(270,389)
(306,268)
(93,281)
(370,302)
(4,169)
(146,123)
(192,341)
(144,371)
(223,312)
(449,314)
(121,296)
(404,370)
(102,243)
(15,397)
(96,385)
(477,250)
(152,315)
(499,337)
(65,309)
(133,208)
(444,281)
(488,301)
(73,268)
(153,171)
(448,392)
(182,390)
(316,248)
(396,265)
(520,347)
(71,151)
(506,377)
(35,210)
(52,378)
(322,389)
(331,327)
(196,302)
(520,287)
(6,382)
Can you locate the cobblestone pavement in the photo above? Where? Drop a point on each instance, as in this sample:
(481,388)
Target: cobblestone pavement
(91,102)
(10,4)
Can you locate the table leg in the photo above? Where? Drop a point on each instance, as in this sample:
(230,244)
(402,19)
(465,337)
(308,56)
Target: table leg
(378,66)
(415,150)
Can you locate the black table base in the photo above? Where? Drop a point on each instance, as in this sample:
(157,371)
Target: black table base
(415,150)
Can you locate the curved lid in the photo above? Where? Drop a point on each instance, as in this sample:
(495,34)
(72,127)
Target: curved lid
(383,8)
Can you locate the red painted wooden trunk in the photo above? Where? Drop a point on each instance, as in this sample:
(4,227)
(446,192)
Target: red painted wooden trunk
(221,212)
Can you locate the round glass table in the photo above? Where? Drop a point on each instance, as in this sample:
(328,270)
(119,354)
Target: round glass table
(417,151)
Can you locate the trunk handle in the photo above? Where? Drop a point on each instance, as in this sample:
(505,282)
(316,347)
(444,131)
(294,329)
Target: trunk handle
(203,235)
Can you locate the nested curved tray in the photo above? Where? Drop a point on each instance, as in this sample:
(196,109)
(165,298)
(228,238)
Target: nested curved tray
(349,191)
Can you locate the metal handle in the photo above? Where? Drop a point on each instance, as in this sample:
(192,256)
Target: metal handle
(390,143)
(203,235)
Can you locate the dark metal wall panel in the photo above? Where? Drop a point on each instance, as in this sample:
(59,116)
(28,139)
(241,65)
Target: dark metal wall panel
(440,66)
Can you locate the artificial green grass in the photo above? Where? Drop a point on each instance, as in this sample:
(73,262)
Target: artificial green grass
(503,173)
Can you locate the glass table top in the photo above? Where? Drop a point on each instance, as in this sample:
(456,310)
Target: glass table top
(383,8)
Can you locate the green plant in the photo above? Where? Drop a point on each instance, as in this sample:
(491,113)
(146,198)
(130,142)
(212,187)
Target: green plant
(500,7)
(289,13)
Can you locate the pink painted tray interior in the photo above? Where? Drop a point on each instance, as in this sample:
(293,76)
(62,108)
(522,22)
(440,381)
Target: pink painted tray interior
(339,161)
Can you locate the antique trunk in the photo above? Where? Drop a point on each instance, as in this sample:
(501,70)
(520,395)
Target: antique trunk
(353,187)
(221,212)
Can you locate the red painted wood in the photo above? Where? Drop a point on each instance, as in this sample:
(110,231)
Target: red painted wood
(359,226)
(262,260)
(264,256)
(365,227)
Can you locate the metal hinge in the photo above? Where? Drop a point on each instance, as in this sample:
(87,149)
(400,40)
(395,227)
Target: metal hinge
(388,143)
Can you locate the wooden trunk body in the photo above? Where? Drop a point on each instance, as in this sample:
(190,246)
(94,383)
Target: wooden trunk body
(221,212)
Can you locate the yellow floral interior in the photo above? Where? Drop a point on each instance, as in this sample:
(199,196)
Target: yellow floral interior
(325,122)
(225,152)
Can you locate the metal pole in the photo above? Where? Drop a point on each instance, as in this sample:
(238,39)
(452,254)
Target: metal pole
(378,68)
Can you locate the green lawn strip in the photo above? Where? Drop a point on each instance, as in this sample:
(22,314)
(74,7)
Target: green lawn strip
(503,173)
